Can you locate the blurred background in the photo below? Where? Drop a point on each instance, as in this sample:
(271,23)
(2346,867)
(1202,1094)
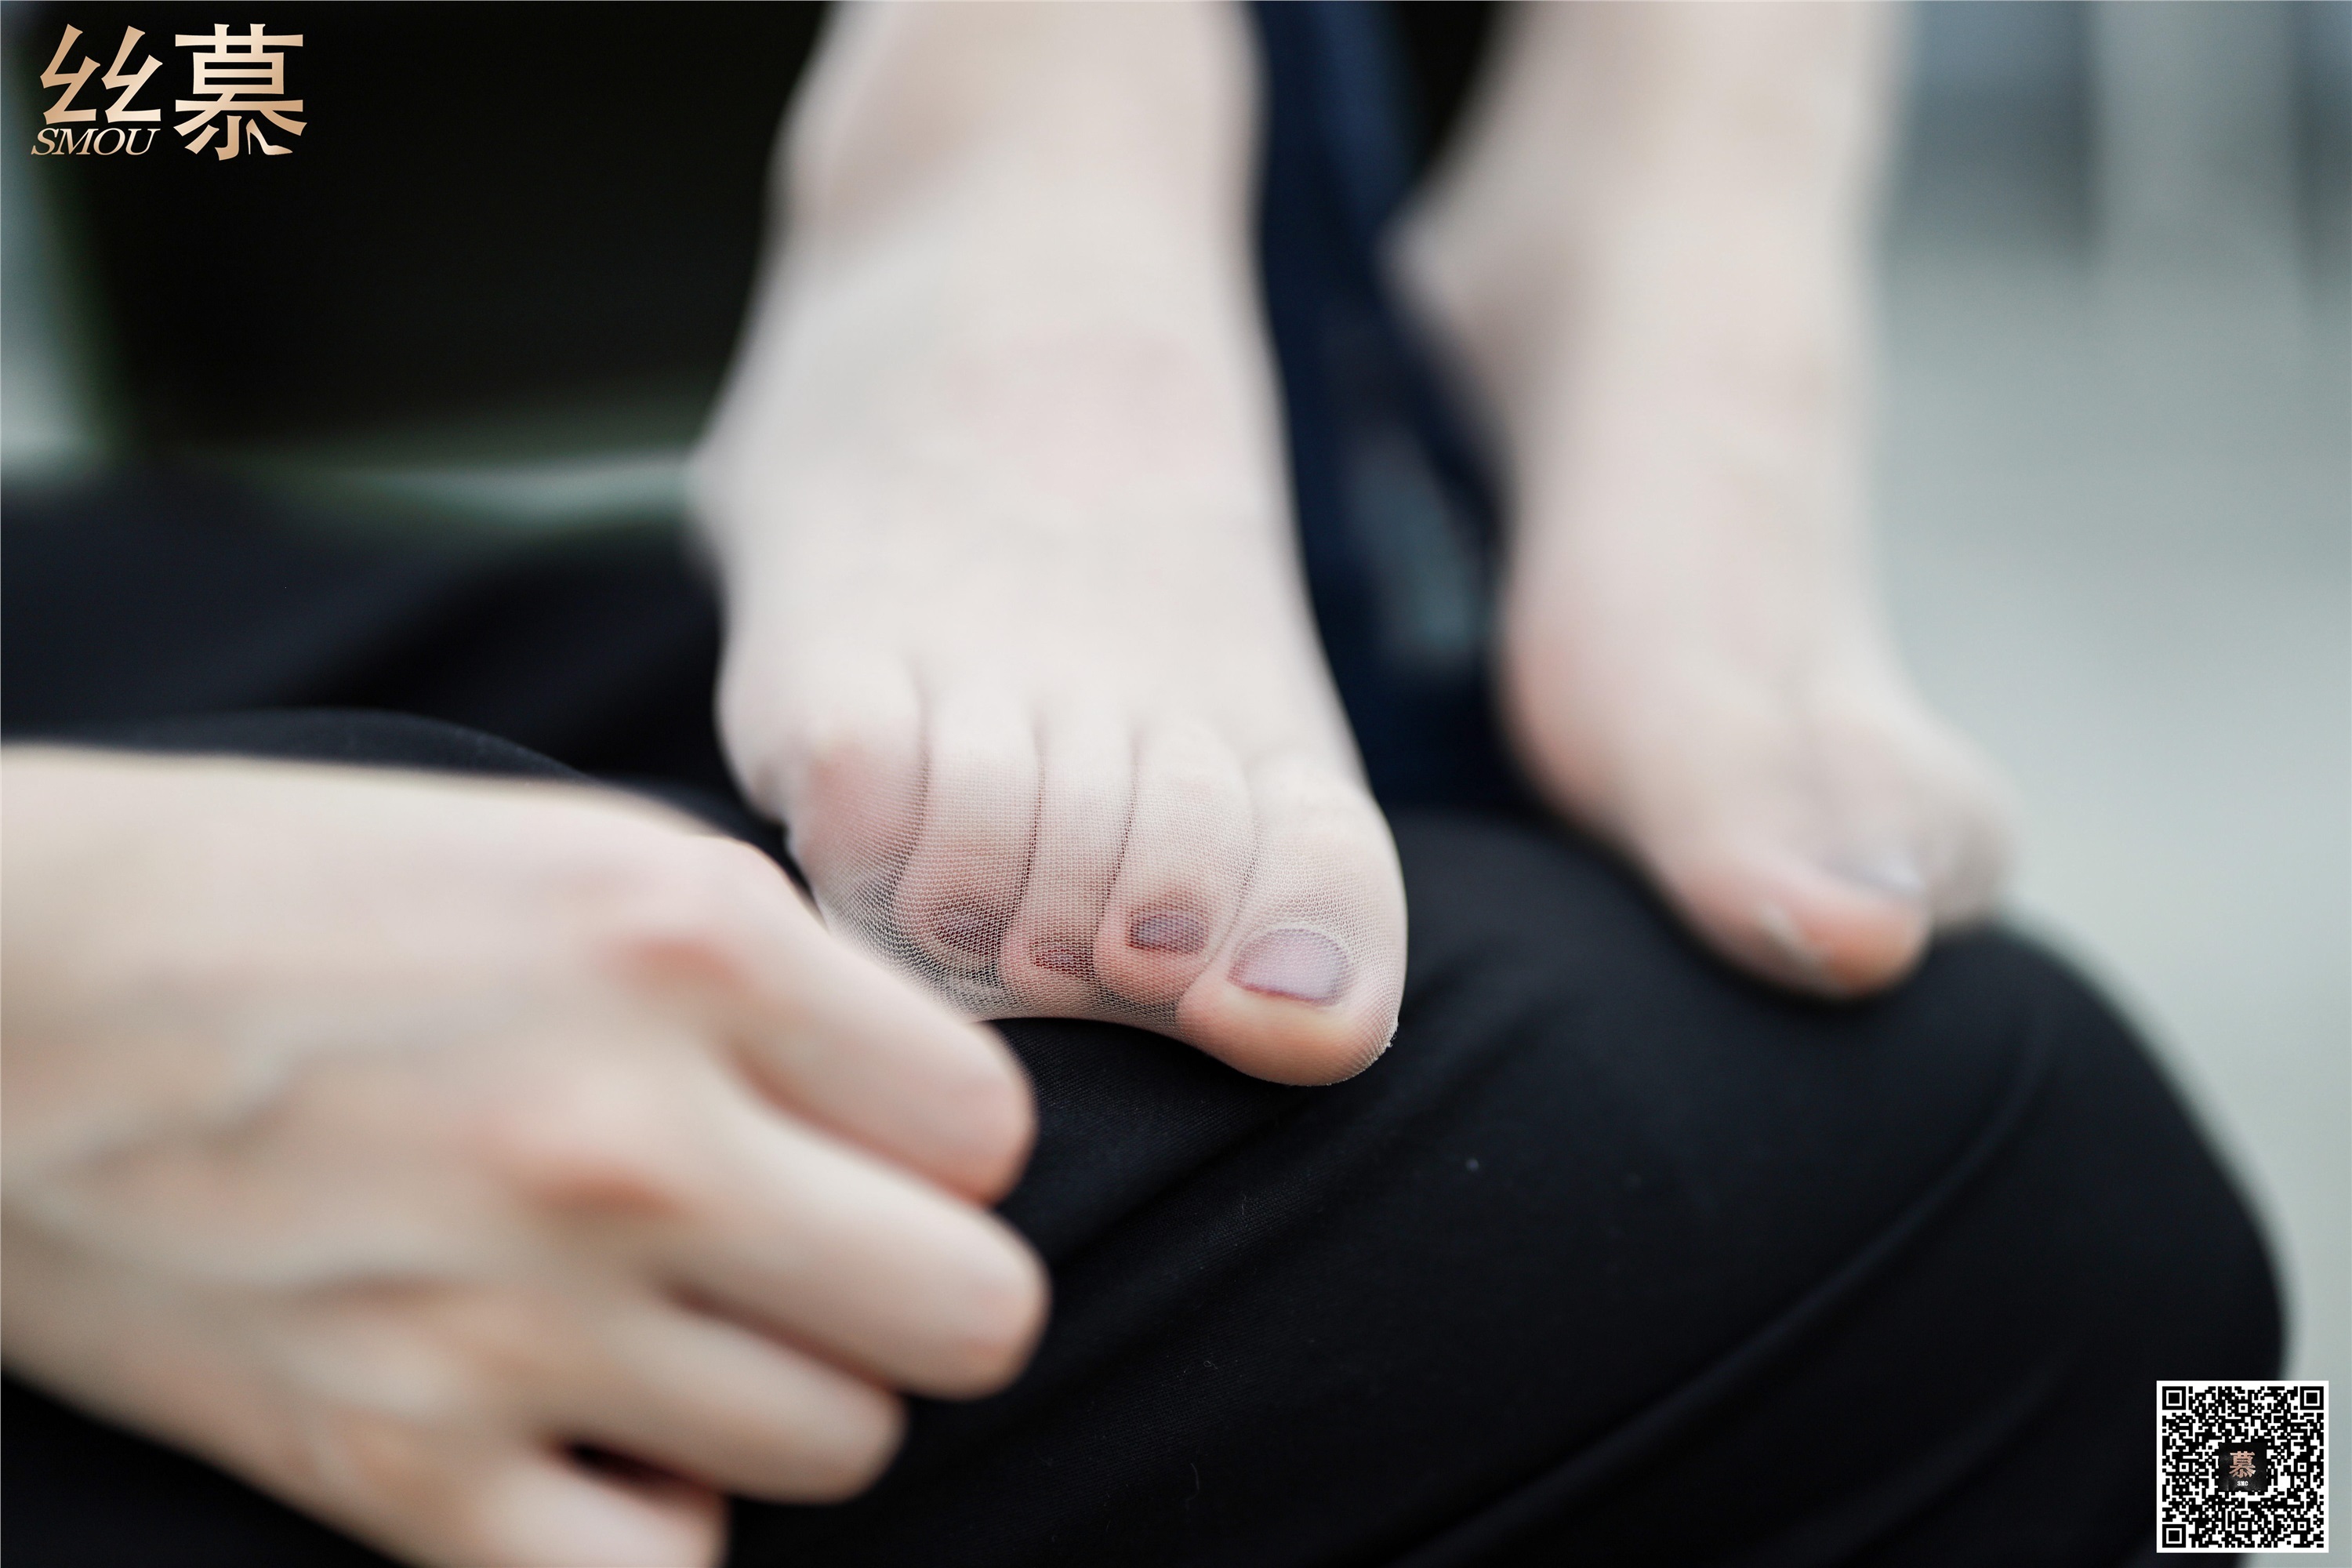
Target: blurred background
(497,285)
(2116,478)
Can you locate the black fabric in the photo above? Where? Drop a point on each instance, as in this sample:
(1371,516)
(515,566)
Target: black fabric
(359,617)
(1446,44)
(1615,1258)
(1393,499)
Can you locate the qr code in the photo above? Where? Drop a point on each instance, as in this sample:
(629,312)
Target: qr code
(2242,1467)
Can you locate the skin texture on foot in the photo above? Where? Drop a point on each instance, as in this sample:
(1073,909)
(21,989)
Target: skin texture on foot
(1650,260)
(1018,646)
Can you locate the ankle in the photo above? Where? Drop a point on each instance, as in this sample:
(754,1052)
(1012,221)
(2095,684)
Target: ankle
(1075,126)
(1660,195)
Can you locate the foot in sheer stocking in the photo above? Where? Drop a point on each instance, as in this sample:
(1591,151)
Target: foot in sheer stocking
(1650,260)
(1018,646)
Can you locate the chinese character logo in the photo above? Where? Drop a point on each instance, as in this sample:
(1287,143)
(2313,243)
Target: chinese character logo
(2245,1466)
(114,138)
(246,79)
(236,80)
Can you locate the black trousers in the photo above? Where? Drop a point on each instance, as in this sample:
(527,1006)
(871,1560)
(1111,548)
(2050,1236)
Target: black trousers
(1616,1257)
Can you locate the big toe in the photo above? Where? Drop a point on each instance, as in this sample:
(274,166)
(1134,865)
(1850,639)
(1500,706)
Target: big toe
(1305,985)
(1840,931)
(1833,877)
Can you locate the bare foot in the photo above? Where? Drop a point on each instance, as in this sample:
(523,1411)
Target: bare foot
(1018,644)
(1651,258)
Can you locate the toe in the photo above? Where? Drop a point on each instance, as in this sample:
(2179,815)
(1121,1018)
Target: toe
(1305,986)
(1836,932)
(963,881)
(1085,799)
(1180,876)
(845,774)
(1967,858)
(1833,875)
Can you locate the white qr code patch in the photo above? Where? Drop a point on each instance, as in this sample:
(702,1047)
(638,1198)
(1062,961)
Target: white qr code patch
(2242,1467)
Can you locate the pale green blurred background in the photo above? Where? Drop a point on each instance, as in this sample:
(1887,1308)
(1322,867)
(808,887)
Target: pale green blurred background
(2117,477)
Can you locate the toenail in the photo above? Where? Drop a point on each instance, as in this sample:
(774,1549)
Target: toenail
(1306,964)
(1892,872)
(973,930)
(1169,931)
(1062,958)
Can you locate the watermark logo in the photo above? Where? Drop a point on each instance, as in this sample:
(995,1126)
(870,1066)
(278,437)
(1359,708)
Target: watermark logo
(236,81)
(241,73)
(2242,1467)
